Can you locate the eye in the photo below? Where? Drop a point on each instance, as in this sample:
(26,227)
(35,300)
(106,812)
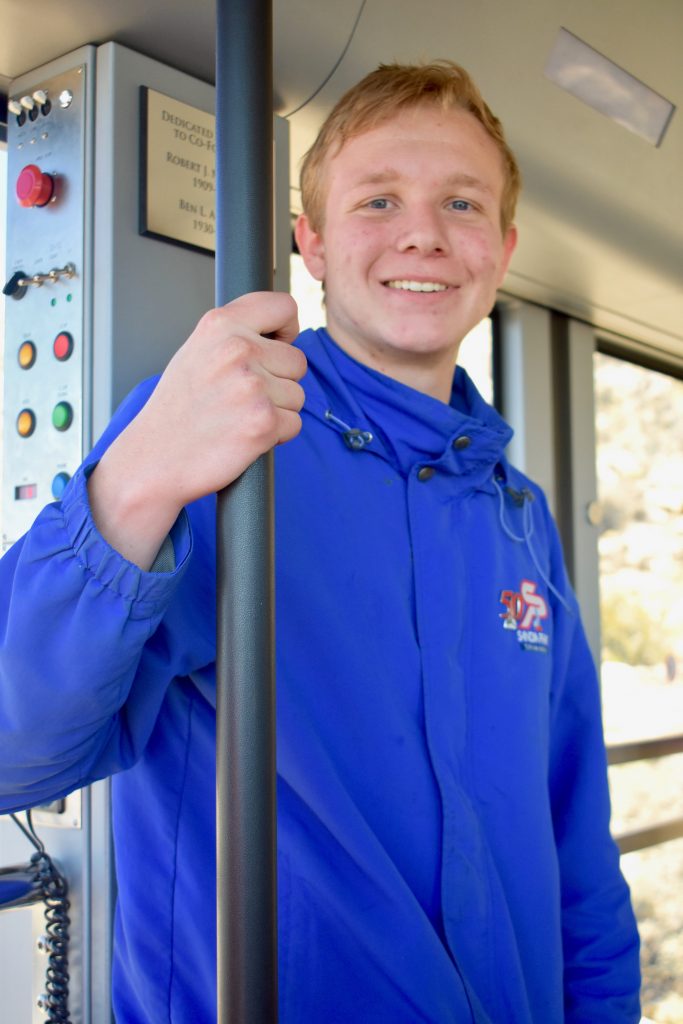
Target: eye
(461,205)
(378,204)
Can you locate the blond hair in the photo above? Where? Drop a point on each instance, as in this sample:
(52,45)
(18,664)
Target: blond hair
(381,95)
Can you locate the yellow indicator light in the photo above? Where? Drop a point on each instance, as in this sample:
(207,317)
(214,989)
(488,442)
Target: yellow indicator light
(26,423)
(27,355)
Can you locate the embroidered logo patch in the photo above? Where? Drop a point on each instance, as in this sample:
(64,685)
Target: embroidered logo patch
(524,613)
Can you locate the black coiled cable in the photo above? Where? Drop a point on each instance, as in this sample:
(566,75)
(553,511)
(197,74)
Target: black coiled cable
(54,889)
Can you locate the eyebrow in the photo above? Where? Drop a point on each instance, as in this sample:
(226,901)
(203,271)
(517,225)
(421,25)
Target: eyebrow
(389,175)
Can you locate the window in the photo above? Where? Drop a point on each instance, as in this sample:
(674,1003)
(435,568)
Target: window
(639,451)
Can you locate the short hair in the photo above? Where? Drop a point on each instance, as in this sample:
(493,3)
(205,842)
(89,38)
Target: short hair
(382,94)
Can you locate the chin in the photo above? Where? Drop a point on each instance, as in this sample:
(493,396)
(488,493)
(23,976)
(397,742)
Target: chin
(421,349)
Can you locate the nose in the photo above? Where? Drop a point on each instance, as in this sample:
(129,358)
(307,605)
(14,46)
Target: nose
(422,229)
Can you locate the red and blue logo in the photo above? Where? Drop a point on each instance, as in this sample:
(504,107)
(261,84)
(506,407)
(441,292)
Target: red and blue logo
(525,612)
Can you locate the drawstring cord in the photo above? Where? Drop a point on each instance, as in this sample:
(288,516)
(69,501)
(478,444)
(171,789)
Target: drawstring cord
(524,498)
(354,438)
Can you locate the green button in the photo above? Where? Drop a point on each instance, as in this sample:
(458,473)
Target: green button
(62,416)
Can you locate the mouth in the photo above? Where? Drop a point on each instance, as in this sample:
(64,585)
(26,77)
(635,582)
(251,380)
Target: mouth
(416,286)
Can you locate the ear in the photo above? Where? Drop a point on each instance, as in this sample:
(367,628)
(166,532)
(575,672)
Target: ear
(509,245)
(311,247)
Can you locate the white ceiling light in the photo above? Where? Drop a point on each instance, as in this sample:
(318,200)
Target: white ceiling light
(579,69)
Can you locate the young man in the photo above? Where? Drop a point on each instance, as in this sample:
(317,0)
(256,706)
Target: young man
(443,809)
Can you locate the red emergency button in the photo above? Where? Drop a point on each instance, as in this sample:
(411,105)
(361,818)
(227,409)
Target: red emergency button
(63,346)
(34,188)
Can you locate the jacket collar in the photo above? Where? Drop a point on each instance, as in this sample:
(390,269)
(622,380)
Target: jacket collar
(376,414)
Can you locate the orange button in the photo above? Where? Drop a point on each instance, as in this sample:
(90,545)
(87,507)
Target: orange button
(26,355)
(26,423)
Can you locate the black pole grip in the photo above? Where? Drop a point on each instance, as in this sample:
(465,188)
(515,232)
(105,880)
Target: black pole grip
(246,870)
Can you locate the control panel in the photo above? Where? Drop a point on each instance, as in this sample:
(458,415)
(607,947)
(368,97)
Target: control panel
(93,307)
(45,321)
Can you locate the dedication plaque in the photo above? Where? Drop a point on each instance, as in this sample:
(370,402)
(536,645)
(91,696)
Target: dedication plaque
(178,172)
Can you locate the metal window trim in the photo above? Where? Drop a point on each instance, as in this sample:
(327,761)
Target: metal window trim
(653,835)
(524,384)
(644,749)
(583,485)
(652,357)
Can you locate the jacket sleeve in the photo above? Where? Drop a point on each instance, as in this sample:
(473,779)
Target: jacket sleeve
(600,938)
(86,654)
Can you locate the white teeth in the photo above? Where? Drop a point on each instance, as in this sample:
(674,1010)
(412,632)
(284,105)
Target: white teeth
(417,286)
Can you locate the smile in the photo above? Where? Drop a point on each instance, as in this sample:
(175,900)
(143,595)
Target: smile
(417,286)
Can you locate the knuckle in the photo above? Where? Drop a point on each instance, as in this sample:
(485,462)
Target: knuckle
(212,320)
(241,350)
(287,303)
(250,388)
(263,421)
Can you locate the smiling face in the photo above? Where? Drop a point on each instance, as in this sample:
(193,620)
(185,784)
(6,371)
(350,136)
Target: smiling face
(411,249)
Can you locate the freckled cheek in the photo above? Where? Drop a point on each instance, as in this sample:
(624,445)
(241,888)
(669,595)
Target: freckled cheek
(482,259)
(358,254)
(478,247)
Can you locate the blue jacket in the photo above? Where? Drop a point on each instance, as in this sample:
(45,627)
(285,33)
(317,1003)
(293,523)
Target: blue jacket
(444,853)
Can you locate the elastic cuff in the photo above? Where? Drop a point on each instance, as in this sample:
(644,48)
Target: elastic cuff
(147,590)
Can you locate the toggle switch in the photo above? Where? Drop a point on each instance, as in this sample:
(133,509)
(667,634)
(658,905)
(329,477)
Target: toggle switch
(25,492)
(16,286)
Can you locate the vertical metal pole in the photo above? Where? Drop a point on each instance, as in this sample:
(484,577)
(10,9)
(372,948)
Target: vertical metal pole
(245,665)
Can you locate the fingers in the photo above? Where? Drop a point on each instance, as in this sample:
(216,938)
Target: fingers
(289,425)
(251,330)
(229,380)
(285,394)
(274,314)
(282,360)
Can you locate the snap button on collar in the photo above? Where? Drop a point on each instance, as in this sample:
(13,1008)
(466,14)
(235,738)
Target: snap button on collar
(462,442)
(425,473)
